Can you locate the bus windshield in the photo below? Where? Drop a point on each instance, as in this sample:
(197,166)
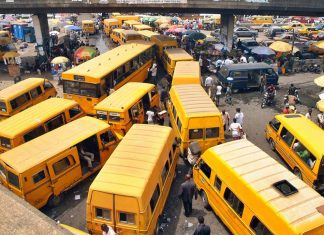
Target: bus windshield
(82,88)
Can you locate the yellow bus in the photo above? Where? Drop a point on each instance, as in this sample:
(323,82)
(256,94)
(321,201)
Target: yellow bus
(254,194)
(299,142)
(115,35)
(24,94)
(171,56)
(128,105)
(140,27)
(109,25)
(90,82)
(262,19)
(37,120)
(88,27)
(42,169)
(122,18)
(186,72)
(147,35)
(129,24)
(130,191)
(5,37)
(194,117)
(163,42)
(129,35)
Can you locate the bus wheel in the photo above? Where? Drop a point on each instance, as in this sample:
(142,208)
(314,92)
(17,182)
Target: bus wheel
(54,200)
(272,144)
(204,200)
(298,173)
(157,227)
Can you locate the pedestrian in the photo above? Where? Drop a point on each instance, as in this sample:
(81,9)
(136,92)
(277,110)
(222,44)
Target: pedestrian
(285,110)
(150,115)
(186,193)
(202,228)
(97,51)
(87,41)
(153,71)
(213,92)
(228,61)
(208,84)
(218,93)
(165,83)
(251,59)
(164,98)
(239,44)
(201,64)
(263,82)
(309,114)
(107,230)
(320,120)
(219,63)
(228,94)
(239,116)
(236,129)
(243,59)
(226,118)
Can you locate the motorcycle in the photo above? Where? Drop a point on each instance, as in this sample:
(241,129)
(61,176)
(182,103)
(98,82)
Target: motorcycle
(292,99)
(315,68)
(268,99)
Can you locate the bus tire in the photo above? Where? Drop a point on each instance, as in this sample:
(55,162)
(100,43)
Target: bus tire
(298,173)
(205,200)
(157,226)
(54,200)
(272,144)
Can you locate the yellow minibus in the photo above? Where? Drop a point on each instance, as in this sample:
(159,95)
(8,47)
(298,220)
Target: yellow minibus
(37,120)
(129,24)
(24,94)
(130,191)
(109,25)
(90,82)
(300,143)
(186,72)
(129,35)
(254,194)
(88,27)
(140,27)
(171,56)
(122,18)
(42,169)
(115,35)
(163,42)
(147,35)
(194,117)
(128,105)
(262,19)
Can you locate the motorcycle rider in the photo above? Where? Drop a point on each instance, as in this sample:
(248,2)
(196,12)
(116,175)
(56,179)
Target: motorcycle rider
(292,90)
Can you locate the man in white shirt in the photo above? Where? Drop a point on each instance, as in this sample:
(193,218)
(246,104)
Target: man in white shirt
(320,120)
(218,93)
(150,114)
(236,129)
(309,114)
(154,73)
(208,84)
(228,61)
(219,64)
(243,59)
(239,116)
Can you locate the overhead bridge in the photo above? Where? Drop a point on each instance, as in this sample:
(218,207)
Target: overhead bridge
(250,7)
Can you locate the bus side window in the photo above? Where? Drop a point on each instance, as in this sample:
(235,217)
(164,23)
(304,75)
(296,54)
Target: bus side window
(218,183)
(55,123)
(74,111)
(303,153)
(47,85)
(258,227)
(38,131)
(36,92)
(155,197)
(205,168)
(19,101)
(63,164)
(165,171)
(107,137)
(39,177)
(234,202)
(275,124)
(286,136)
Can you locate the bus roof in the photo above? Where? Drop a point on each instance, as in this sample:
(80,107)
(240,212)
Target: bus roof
(142,26)
(104,64)
(147,33)
(181,69)
(178,54)
(309,132)
(118,30)
(20,88)
(125,97)
(248,66)
(46,146)
(164,38)
(132,22)
(129,32)
(33,116)
(257,172)
(194,100)
(130,166)
(87,22)
(110,20)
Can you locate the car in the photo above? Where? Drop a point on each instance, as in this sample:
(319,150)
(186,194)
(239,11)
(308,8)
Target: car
(293,25)
(266,43)
(262,27)
(308,31)
(318,37)
(245,32)
(248,44)
(320,26)
(285,37)
(274,31)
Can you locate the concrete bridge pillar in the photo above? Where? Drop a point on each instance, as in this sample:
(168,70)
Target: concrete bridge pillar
(227,29)
(40,23)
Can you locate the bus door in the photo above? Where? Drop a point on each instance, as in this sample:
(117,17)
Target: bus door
(64,170)
(137,113)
